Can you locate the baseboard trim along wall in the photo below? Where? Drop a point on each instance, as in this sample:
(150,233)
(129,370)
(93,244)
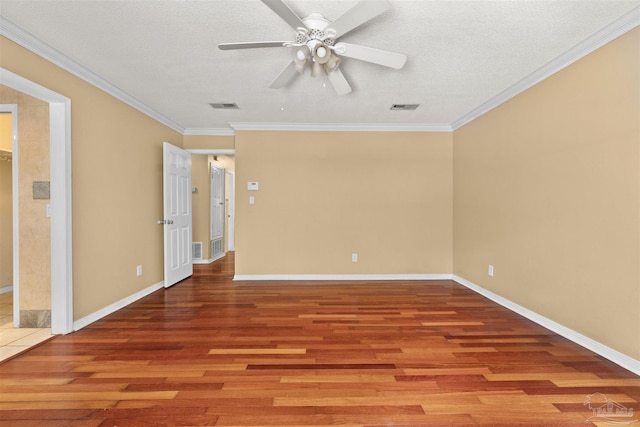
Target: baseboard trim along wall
(333,277)
(87,320)
(6,289)
(616,357)
(207,261)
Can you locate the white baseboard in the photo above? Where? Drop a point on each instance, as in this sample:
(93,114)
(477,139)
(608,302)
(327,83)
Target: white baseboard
(615,356)
(376,277)
(6,289)
(208,261)
(87,320)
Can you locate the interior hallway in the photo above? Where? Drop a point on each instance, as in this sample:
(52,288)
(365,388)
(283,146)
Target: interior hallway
(14,341)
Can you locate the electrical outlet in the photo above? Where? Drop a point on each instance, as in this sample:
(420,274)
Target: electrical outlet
(354,257)
(490,271)
(139,270)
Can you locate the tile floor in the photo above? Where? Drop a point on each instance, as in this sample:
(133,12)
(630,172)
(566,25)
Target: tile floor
(15,340)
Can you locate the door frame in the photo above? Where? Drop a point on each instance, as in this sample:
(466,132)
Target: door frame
(221,152)
(212,167)
(61,207)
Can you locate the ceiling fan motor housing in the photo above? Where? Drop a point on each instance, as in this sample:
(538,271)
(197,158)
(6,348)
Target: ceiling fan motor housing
(314,43)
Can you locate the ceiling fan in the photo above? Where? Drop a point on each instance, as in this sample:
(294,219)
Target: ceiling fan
(315,43)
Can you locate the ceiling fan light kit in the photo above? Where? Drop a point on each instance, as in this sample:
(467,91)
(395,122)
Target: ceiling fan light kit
(315,43)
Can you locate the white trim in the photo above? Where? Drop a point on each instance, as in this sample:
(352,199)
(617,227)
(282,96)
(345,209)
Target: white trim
(6,289)
(15,209)
(61,206)
(87,320)
(333,277)
(61,218)
(612,31)
(213,151)
(615,356)
(210,260)
(337,127)
(40,48)
(209,132)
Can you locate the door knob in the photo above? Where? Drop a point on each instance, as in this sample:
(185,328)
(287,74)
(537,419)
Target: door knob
(165,222)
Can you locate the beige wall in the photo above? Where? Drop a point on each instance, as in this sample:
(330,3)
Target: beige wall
(208,142)
(117,185)
(6,139)
(224,161)
(546,189)
(35,227)
(200,201)
(326,195)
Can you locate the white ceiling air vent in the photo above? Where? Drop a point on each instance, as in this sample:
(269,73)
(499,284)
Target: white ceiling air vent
(405,107)
(225,105)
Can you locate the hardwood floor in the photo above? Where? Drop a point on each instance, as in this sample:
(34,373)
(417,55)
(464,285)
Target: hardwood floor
(210,351)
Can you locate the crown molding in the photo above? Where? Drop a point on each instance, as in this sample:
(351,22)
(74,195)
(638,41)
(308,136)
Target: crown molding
(209,132)
(612,31)
(617,28)
(338,127)
(37,46)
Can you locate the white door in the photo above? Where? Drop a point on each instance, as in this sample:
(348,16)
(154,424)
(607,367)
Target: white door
(217,211)
(177,219)
(217,202)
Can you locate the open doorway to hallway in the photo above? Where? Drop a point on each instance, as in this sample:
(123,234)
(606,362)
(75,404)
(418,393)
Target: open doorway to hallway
(213,204)
(25,318)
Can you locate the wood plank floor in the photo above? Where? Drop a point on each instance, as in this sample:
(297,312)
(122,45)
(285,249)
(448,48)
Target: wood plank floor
(209,351)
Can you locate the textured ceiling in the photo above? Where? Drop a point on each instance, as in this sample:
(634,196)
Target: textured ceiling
(163,53)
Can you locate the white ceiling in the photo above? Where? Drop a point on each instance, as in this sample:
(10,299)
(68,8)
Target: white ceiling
(163,55)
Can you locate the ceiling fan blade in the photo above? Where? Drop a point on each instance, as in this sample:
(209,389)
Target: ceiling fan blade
(285,12)
(362,12)
(249,45)
(285,77)
(369,54)
(339,82)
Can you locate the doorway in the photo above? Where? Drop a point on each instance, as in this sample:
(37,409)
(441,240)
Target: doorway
(59,210)
(26,321)
(213,202)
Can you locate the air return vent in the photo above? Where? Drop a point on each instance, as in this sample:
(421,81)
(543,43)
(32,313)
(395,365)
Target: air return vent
(224,105)
(216,248)
(405,107)
(197,250)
